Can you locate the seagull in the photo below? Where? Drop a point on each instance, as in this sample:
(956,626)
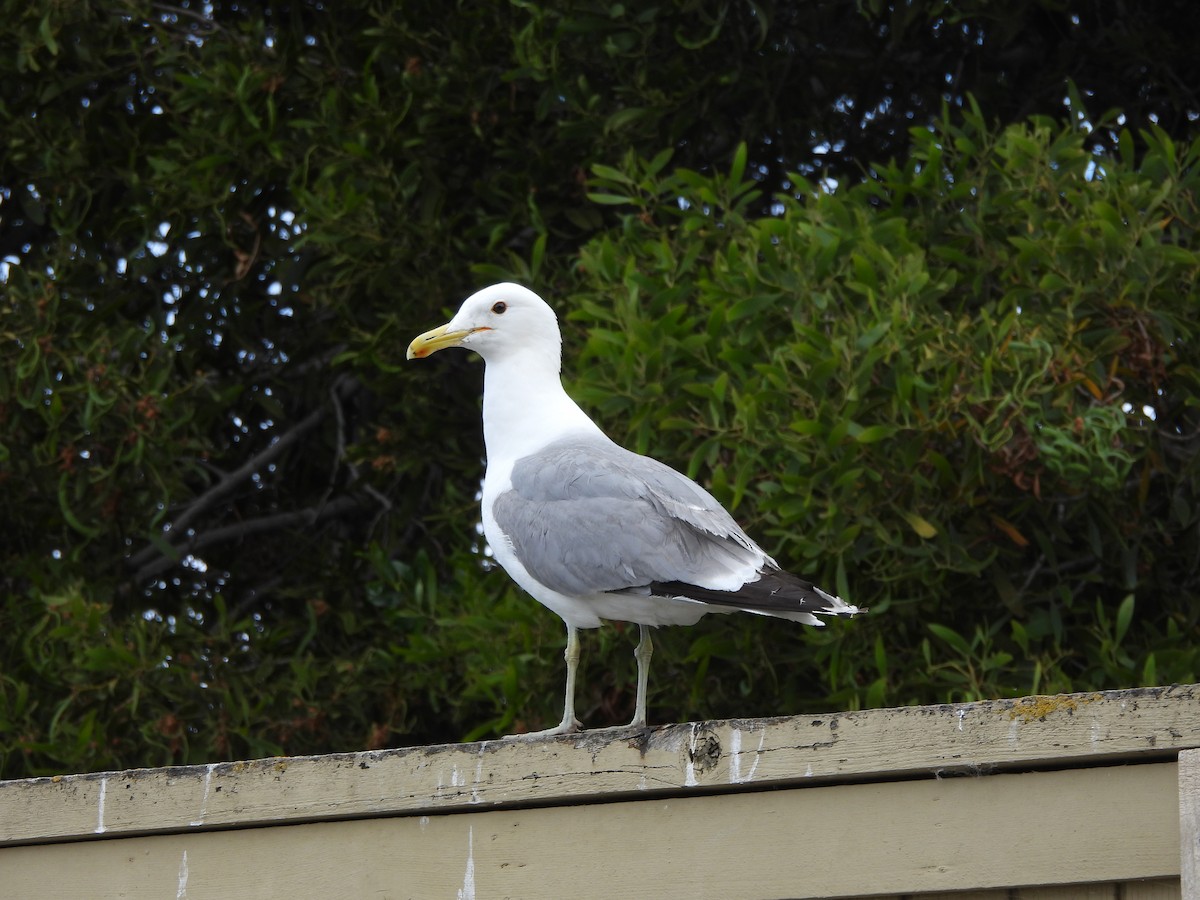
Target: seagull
(589,529)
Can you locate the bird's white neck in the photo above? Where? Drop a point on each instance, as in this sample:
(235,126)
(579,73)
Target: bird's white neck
(525,408)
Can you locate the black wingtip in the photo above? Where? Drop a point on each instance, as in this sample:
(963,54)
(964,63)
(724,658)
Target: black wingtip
(772,594)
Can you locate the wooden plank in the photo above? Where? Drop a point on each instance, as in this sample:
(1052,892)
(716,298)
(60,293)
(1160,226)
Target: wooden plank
(1154,889)
(982,833)
(1151,890)
(1189,822)
(610,764)
(1072,892)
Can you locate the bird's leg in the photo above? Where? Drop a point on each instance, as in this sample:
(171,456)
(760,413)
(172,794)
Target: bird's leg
(645,649)
(569,724)
(571,654)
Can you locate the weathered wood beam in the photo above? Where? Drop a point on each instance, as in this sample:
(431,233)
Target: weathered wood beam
(607,765)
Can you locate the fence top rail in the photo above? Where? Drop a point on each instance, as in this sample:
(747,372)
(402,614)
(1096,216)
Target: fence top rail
(609,764)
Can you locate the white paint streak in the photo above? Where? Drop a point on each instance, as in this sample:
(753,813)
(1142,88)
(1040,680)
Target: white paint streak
(1013,738)
(181,891)
(808,771)
(689,779)
(100,829)
(423,822)
(735,757)
(467,891)
(1095,733)
(758,755)
(475,798)
(960,715)
(456,778)
(208,773)
(735,762)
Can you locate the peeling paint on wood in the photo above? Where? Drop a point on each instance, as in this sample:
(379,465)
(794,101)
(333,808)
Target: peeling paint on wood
(1003,833)
(682,807)
(971,738)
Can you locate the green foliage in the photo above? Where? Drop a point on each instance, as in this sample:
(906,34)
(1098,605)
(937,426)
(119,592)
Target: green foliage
(119,691)
(963,393)
(233,518)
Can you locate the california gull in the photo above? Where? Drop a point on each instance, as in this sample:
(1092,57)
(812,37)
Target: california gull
(592,530)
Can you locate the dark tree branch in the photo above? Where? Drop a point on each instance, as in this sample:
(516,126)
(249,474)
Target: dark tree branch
(313,515)
(227,484)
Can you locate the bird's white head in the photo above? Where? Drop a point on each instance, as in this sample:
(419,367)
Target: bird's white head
(498,322)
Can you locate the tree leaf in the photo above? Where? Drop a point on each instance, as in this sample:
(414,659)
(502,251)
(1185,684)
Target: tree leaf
(921,526)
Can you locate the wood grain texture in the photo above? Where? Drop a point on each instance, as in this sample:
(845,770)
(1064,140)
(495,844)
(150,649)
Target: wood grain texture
(1189,822)
(607,765)
(852,840)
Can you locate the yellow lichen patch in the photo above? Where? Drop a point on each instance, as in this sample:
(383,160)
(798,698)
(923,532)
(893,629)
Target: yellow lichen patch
(1029,709)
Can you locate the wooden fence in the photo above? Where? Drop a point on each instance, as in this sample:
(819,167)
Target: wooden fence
(1042,798)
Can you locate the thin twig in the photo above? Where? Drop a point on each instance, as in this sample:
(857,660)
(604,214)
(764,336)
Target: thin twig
(339,450)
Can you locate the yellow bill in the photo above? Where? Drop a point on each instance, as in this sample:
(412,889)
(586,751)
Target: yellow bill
(437,339)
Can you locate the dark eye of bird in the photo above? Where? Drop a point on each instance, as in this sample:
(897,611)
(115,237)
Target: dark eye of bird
(499,307)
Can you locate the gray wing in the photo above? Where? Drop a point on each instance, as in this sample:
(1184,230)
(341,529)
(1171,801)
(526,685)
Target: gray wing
(586,516)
